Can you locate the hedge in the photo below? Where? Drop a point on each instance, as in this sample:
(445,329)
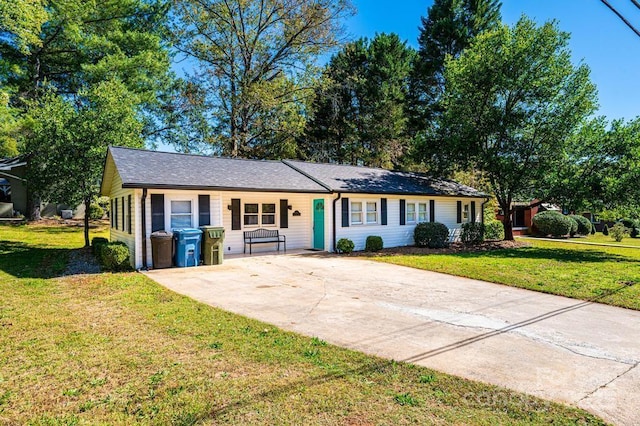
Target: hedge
(584,224)
(494,231)
(373,243)
(472,233)
(553,223)
(431,234)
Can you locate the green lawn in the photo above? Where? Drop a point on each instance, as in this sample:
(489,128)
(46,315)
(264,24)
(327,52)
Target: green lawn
(606,239)
(120,349)
(608,275)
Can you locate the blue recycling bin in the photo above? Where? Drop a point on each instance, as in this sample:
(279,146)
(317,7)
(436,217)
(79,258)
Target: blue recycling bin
(188,241)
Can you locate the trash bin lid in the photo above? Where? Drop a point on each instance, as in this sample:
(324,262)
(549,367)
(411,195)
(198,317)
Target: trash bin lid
(187,232)
(162,234)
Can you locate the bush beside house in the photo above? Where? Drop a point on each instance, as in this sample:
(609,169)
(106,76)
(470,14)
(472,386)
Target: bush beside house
(472,233)
(431,235)
(373,243)
(112,256)
(554,223)
(345,245)
(584,224)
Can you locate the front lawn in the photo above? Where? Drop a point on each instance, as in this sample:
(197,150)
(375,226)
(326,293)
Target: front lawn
(608,275)
(606,239)
(120,349)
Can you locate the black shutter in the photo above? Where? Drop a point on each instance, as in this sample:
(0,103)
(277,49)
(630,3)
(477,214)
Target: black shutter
(157,212)
(403,212)
(473,211)
(111,213)
(204,210)
(115,213)
(124,225)
(235,214)
(129,214)
(383,211)
(345,212)
(432,210)
(459,212)
(284,213)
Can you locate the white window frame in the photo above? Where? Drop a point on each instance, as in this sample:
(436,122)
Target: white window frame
(364,212)
(466,213)
(260,213)
(416,211)
(171,214)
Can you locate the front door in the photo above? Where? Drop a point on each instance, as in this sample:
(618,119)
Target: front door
(318,224)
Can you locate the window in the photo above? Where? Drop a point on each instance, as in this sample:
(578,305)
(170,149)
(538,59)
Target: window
(422,212)
(260,214)
(356,213)
(251,214)
(465,213)
(372,212)
(181,214)
(411,213)
(364,212)
(269,214)
(416,212)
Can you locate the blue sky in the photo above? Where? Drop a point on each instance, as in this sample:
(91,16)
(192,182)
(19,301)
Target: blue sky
(598,38)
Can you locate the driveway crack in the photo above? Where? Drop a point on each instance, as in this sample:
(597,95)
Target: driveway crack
(324,295)
(608,383)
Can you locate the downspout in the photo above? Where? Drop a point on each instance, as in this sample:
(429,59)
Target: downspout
(143,223)
(335,200)
(486,200)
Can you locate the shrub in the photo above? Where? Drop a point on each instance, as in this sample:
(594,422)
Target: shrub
(431,234)
(618,231)
(494,230)
(584,224)
(574,226)
(635,232)
(345,245)
(553,223)
(373,243)
(593,229)
(95,212)
(628,223)
(605,230)
(97,243)
(472,233)
(114,257)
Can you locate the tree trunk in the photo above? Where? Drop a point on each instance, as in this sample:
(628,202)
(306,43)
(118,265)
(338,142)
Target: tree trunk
(506,222)
(34,208)
(87,204)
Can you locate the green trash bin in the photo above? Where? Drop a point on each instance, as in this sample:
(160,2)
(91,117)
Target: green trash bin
(212,245)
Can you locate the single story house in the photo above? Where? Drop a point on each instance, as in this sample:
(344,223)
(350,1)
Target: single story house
(13,186)
(523,213)
(313,205)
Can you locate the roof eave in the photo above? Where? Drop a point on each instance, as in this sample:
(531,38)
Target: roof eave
(132,185)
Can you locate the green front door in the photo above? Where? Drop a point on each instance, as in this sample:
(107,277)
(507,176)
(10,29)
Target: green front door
(318,224)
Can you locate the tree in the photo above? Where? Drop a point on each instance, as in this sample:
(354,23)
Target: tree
(512,101)
(9,128)
(68,141)
(256,60)
(359,115)
(449,27)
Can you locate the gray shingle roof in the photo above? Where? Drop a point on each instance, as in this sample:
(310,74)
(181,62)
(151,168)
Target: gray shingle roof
(10,163)
(152,169)
(354,179)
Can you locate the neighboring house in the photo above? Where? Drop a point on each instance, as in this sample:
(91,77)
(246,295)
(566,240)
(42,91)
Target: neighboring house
(314,205)
(523,213)
(13,188)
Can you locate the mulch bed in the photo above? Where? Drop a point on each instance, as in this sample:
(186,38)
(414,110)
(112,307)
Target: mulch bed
(452,248)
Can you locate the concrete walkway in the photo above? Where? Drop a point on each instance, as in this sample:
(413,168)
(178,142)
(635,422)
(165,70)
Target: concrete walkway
(567,350)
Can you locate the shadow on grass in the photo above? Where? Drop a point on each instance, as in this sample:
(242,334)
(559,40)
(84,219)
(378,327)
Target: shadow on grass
(24,261)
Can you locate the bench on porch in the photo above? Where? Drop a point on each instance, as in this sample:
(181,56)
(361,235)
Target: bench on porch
(262,235)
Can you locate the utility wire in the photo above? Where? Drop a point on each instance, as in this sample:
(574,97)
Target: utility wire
(621,16)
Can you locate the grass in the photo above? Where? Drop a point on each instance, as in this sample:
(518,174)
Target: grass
(606,239)
(120,349)
(608,275)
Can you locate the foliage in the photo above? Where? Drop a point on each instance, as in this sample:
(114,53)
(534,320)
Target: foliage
(345,245)
(618,232)
(449,27)
(635,232)
(574,226)
(255,62)
(114,256)
(494,231)
(9,127)
(593,229)
(605,230)
(472,233)
(511,100)
(68,141)
(95,211)
(584,224)
(553,223)
(359,115)
(628,223)
(96,245)
(431,234)
(21,22)
(373,243)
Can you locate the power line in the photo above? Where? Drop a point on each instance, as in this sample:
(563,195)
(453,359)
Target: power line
(621,16)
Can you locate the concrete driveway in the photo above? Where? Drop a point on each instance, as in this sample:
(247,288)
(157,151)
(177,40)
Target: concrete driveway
(562,349)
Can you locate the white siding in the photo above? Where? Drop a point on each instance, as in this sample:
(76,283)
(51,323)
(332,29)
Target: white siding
(299,232)
(120,234)
(393,234)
